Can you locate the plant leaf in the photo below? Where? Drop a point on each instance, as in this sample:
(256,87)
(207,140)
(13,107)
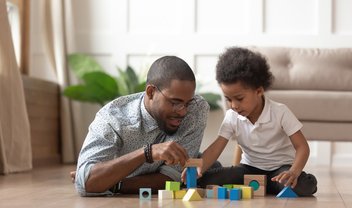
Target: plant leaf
(212,100)
(80,93)
(102,86)
(81,64)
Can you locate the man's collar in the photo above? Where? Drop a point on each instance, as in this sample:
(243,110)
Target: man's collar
(148,122)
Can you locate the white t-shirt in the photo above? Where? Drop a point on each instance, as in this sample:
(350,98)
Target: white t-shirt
(266,144)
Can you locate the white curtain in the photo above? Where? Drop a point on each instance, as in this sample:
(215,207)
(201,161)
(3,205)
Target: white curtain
(15,143)
(58,36)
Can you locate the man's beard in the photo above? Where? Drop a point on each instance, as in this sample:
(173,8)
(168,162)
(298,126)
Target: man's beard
(162,126)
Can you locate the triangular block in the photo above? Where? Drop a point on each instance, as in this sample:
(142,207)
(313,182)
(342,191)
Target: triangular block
(192,195)
(287,192)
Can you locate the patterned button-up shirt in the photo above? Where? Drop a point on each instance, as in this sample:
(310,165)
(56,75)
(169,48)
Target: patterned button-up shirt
(124,125)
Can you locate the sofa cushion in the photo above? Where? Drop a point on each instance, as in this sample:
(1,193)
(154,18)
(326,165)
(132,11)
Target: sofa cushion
(309,69)
(310,105)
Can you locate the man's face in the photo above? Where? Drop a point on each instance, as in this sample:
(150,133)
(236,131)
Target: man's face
(168,106)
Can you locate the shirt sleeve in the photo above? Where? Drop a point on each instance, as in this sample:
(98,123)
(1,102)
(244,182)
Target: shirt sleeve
(101,144)
(227,127)
(290,123)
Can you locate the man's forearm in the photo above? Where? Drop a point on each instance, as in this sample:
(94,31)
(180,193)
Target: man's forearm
(106,174)
(155,181)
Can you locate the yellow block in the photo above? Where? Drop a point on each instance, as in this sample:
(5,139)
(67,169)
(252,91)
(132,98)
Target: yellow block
(192,195)
(179,194)
(247,192)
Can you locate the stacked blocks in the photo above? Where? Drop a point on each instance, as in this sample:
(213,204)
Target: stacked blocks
(145,193)
(257,182)
(191,177)
(287,192)
(172,185)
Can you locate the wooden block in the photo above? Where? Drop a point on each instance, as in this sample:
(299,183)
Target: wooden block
(145,193)
(215,190)
(238,185)
(211,186)
(257,182)
(180,194)
(247,192)
(191,178)
(193,162)
(201,192)
(192,195)
(235,194)
(210,193)
(172,185)
(165,194)
(287,192)
(222,193)
(228,186)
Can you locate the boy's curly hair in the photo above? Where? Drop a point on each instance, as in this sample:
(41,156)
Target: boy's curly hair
(242,65)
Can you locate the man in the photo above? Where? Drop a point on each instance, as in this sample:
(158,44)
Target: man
(144,139)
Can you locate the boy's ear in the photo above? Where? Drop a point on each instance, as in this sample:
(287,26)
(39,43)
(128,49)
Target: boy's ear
(260,91)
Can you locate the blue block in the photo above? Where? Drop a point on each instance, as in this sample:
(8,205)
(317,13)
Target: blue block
(191,178)
(287,192)
(145,193)
(210,193)
(235,194)
(222,193)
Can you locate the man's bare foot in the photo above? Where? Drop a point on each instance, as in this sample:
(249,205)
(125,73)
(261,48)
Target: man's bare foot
(73,176)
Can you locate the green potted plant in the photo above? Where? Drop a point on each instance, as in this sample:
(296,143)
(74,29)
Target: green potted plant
(99,87)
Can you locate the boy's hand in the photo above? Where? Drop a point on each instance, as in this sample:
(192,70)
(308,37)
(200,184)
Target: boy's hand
(287,178)
(184,174)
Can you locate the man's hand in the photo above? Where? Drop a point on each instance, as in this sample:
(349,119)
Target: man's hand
(288,178)
(171,152)
(73,176)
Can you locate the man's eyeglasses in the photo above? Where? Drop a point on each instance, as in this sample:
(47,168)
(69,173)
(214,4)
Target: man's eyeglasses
(176,105)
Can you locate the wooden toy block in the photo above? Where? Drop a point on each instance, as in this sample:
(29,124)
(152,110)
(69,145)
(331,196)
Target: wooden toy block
(210,193)
(222,193)
(145,193)
(172,185)
(165,194)
(211,186)
(235,194)
(193,162)
(191,178)
(228,186)
(201,192)
(180,194)
(257,182)
(215,191)
(238,185)
(192,195)
(247,192)
(287,192)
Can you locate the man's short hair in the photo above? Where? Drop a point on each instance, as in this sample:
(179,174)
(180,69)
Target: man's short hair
(168,68)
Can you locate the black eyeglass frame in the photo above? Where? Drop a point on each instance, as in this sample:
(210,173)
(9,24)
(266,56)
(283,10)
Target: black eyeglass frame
(176,105)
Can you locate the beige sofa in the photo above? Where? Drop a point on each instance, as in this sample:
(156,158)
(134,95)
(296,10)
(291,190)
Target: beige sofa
(316,84)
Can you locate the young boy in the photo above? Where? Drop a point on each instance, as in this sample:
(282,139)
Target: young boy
(269,134)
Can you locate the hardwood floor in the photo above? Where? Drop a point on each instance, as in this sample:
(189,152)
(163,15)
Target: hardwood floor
(52,187)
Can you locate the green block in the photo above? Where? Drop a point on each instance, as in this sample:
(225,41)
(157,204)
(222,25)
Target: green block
(228,186)
(172,185)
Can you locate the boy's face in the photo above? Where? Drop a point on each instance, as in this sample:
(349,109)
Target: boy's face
(244,100)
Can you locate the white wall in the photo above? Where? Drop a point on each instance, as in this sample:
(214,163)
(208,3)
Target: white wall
(136,32)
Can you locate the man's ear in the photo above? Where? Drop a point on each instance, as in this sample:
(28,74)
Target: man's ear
(150,89)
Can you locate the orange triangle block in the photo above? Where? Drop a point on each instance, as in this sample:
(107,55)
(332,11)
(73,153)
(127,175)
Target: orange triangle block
(192,195)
